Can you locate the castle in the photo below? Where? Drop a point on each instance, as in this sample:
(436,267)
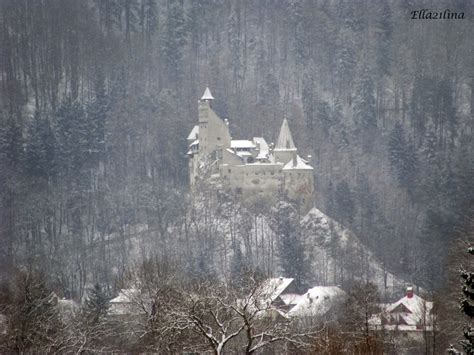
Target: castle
(247,167)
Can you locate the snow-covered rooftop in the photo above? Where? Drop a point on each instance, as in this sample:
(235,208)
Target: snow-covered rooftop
(125,295)
(129,301)
(317,301)
(193,135)
(272,288)
(262,145)
(301,164)
(244,154)
(417,307)
(285,139)
(242,143)
(207,95)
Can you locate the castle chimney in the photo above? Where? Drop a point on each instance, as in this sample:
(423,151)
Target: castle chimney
(409,292)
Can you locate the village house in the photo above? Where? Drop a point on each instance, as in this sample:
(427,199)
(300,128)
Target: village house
(282,299)
(247,167)
(411,316)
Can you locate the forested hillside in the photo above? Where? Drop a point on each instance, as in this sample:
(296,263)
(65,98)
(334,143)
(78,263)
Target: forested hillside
(97,99)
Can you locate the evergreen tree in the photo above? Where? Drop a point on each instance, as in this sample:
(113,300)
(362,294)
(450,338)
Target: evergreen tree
(96,117)
(173,40)
(286,225)
(11,144)
(365,116)
(344,202)
(323,112)
(402,157)
(41,149)
(74,132)
(345,58)
(384,36)
(308,101)
(96,305)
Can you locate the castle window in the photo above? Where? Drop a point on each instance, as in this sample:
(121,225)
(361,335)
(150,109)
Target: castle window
(272,173)
(256,173)
(230,170)
(238,191)
(299,174)
(218,138)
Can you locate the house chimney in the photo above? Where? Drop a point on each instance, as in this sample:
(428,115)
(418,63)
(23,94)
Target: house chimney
(409,292)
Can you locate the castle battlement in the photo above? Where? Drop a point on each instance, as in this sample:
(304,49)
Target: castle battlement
(247,167)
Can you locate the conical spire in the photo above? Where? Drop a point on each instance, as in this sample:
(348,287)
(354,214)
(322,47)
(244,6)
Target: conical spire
(285,140)
(207,95)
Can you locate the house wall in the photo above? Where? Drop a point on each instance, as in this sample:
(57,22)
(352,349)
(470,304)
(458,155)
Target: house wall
(253,179)
(284,156)
(299,185)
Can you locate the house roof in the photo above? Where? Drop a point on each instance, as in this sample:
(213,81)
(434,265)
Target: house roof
(301,164)
(242,143)
(272,288)
(417,306)
(193,135)
(129,302)
(207,95)
(125,296)
(244,154)
(317,301)
(262,145)
(285,139)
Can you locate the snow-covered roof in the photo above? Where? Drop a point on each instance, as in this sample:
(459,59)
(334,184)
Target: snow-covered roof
(317,301)
(244,154)
(129,301)
(301,164)
(194,143)
(285,139)
(272,288)
(290,298)
(236,144)
(207,95)
(418,308)
(193,135)
(263,151)
(126,296)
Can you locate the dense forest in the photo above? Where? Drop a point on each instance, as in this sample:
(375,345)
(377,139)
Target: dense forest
(97,99)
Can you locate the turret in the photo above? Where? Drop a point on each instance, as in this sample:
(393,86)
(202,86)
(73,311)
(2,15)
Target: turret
(285,148)
(213,131)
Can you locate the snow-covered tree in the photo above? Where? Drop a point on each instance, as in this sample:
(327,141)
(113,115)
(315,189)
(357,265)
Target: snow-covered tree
(467,306)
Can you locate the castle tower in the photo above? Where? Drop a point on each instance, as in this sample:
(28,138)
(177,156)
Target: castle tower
(203,109)
(285,148)
(209,137)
